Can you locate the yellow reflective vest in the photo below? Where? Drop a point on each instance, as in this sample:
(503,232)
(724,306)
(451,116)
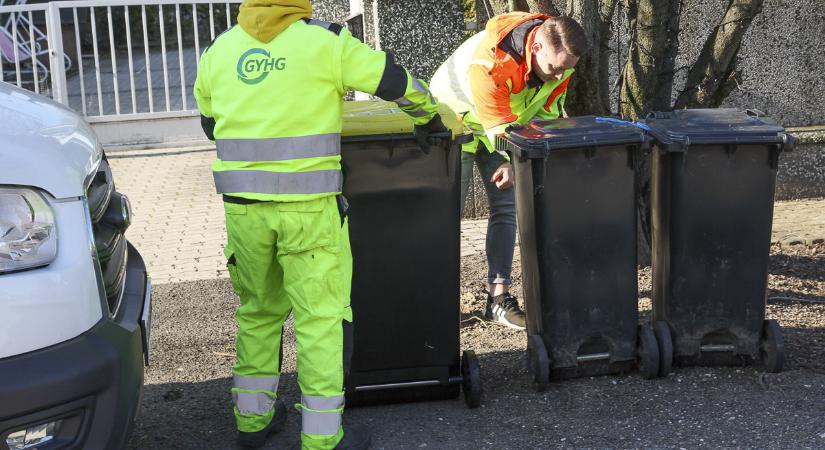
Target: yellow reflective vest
(274,109)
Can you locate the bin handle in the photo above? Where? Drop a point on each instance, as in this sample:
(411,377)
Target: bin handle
(442,136)
(659,115)
(459,138)
(754,113)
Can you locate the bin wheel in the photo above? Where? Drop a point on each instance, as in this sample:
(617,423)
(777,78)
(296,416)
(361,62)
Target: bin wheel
(772,347)
(538,363)
(471,379)
(663,337)
(647,353)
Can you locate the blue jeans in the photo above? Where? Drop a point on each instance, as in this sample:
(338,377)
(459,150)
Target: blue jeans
(501,225)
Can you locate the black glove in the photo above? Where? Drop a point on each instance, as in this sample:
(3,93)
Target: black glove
(208,125)
(513,127)
(424,133)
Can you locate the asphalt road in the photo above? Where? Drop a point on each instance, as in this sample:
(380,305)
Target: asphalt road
(186,402)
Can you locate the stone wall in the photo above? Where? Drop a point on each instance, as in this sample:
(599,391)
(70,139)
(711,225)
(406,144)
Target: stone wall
(781,57)
(330,10)
(421,33)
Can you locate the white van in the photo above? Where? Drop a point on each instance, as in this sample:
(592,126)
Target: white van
(75,299)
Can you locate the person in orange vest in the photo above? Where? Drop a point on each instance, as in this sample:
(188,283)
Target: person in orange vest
(516,70)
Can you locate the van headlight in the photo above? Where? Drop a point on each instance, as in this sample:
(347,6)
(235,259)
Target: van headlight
(27,230)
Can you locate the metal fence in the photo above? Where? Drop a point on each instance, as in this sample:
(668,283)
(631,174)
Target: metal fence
(112,59)
(125,61)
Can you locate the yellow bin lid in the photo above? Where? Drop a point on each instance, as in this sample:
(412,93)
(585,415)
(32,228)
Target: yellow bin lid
(376,117)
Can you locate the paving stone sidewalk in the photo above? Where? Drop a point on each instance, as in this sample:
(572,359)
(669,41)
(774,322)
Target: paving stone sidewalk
(799,221)
(179,227)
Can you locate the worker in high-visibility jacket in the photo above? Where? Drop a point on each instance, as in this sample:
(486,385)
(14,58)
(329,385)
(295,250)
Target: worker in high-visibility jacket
(514,71)
(270,92)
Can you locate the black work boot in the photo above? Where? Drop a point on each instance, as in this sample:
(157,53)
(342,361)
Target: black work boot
(355,438)
(503,309)
(257,439)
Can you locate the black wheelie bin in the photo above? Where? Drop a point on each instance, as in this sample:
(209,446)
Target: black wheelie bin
(712,191)
(576,205)
(404,231)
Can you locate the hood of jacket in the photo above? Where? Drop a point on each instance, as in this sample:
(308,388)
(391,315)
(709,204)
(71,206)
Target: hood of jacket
(266,19)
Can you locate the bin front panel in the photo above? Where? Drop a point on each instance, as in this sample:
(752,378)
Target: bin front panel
(404,231)
(585,214)
(712,249)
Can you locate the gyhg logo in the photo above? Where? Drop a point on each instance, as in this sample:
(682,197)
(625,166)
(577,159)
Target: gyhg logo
(256,63)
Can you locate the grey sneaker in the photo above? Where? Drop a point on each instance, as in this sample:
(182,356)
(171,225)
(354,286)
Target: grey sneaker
(503,309)
(257,439)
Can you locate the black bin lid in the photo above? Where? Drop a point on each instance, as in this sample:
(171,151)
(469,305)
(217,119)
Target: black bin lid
(676,130)
(540,137)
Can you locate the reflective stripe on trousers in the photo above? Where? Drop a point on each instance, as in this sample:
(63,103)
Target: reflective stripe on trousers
(254,395)
(321,415)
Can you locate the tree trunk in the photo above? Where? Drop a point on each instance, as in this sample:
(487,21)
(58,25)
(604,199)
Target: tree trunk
(647,85)
(502,6)
(544,7)
(589,91)
(486,9)
(667,57)
(710,79)
(647,81)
